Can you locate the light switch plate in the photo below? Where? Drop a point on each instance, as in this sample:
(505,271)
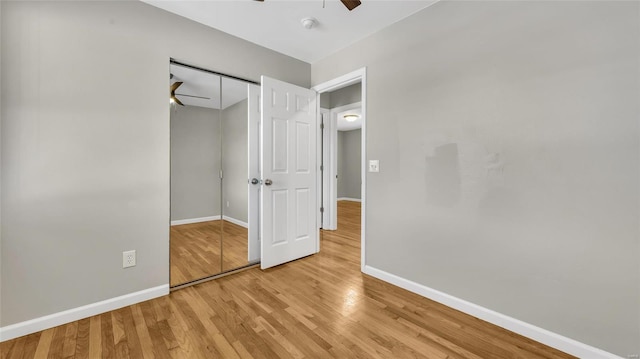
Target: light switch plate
(374,166)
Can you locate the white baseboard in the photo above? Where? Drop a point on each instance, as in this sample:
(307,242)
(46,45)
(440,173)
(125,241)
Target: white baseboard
(349,199)
(194,220)
(540,335)
(236,221)
(53,320)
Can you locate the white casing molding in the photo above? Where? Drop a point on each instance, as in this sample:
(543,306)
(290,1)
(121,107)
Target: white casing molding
(324,175)
(351,78)
(530,331)
(53,320)
(195,220)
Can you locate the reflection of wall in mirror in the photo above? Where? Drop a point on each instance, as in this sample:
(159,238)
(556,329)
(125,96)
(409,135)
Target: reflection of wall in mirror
(235,162)
(349,164)
(195,162)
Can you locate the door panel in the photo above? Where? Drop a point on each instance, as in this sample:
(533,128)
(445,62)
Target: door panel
(279,208)
(289,172)
(280,145)
(302,215)
(302,148)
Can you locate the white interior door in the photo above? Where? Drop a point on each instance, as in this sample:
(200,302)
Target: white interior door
(288,203)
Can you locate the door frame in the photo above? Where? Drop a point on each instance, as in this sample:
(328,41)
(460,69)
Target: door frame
(324,152)
(351,78)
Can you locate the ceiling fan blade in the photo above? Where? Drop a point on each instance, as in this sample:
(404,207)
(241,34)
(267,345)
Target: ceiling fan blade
(351,4)
(181,94)
(175,85)
(172,93)
(175,99)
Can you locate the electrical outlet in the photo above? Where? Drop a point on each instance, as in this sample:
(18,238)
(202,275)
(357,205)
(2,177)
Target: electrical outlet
(374,165)
(128,259)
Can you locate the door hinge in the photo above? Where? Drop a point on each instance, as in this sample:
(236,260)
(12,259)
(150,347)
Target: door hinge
(220,174)
(321,168)
(322,126)
(321,209)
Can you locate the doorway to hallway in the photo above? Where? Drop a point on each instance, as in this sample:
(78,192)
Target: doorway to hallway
(342,105)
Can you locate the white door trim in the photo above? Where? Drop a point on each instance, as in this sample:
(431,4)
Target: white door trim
(351,78)
(324,175)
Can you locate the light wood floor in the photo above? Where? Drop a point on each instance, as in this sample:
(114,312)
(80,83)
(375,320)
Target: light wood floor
(317,307)
(195,250)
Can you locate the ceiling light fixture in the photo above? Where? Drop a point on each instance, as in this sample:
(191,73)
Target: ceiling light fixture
(351,117)
(309,22)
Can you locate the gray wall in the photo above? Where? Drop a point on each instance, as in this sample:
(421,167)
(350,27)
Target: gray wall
(235,161)
(346,95)
(325,100)
(85,144)
(507,134)
(349,163)
(195,162)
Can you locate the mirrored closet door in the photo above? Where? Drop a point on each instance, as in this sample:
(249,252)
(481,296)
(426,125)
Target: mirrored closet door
(209,175)
(235,176)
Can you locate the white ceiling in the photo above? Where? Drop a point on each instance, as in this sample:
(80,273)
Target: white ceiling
(275,24)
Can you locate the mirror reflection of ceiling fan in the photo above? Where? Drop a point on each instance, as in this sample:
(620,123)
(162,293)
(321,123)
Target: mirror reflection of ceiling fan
(174,87)
(350,4)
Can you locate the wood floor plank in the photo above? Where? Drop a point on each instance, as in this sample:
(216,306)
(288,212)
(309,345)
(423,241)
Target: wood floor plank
(9,350)
(160,349)
(196,332)
(185,348)
(82,339)
(134,348)
(168,337)
(44,344)
(146,344)
(195,249)
(107,337)
(57,342)
(31,344)
(320,306)
(95,337)
(121,350)
(243,353)
(69,344)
